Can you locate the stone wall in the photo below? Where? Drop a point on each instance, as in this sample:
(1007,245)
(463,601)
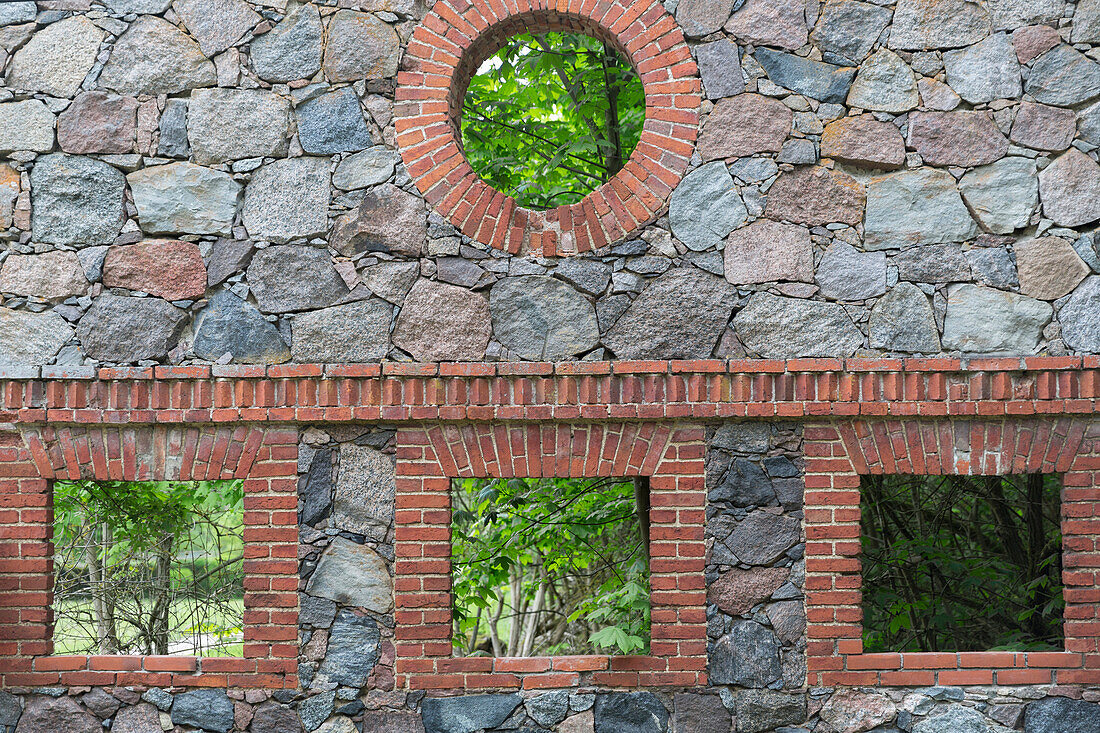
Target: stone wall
(221,181)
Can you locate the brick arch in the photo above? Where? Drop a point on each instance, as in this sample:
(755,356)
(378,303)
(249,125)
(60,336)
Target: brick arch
(965,447)
(447,48)
(144,453)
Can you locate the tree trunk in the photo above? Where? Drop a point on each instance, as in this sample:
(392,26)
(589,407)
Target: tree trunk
(106,635)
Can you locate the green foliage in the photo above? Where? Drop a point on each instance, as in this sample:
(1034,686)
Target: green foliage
(147,566)
(961,563)
(548,566)
(550,117)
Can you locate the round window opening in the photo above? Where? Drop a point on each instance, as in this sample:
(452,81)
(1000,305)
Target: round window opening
(548,132)
(551,117)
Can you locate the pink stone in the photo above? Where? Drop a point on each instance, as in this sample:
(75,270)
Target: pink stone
(767,251)
(957,138)
(816,196)
(737,591)
(746,124)
(1042,127)
(1033,41)
(864,141)
(771,23)
(169,269)
(97,122)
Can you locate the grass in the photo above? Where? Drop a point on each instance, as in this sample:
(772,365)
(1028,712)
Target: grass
(74,628)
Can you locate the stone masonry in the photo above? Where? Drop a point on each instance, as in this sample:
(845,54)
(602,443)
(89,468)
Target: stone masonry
(231,215)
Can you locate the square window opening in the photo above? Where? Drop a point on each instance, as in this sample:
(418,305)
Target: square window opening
(550,567)
(962,563)
(148,568)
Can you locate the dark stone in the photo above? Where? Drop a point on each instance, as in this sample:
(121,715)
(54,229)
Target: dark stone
(229,258)
(143,718)
(271,717)
(315,491)
(391,721)
(315,710)
(467,714)
(744,485)
(814,79)
(228,325)
(123,330)
(352,650)
(548,709)
(210,710)
(761,538)
(10,708)
(780,467)
(101,702)
(1062,715)
(699,714)
(333,123)
(294,277)
(630,712)
(316,612)
(748,655)
(589,276)
(742,437)
(764,710)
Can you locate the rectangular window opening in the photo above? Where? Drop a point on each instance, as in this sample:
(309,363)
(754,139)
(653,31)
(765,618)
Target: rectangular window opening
(962,563)
(550,567)
(148,568)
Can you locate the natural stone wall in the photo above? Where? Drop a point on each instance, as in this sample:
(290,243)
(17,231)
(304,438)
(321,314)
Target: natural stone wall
(219,181)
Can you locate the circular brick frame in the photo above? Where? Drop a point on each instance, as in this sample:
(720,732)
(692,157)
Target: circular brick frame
(452,42)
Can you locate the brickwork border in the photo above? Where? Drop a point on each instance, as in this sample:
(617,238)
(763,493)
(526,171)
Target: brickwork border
(838,454)
(430,456)
(445,51)
(265,457)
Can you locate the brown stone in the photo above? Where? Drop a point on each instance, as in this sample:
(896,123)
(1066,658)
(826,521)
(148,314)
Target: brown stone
(392,721)
(52,275)
(169,269)
(817,196)
(271,717)
(936,95)
(1049,268)
(97,122)
(579,723)
(745,125)
(9,192)
(440,322)
(853,711)
(959,138)
(771,23)
(1033,41)
(864,141)
(737,591)
(55,714)
(767,251)
(1042,127)
(388,220)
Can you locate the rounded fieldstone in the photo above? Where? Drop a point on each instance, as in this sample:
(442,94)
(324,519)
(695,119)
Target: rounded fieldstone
(333,123)
(884,83)
(744,125)
(845,273)
(1080,317)
(360,46)
(155,57)
(368,168)
(921,206)
(737,591)
(51,275)
(700,18)
(931,24)
(141,718)
(719,65)
(748,655)
(57,58)
(680,315)
(183,198)
(848,29)
(986,71)
(984,320)
(217,24)
(389,220)
(1070,189)
(26,125)
(779,23)
(767,251)
(774,327)
(1063,77)
(1049,268)
(1002,196)
(758,711)
(1042,127)
(695,713)
(126,330)
(815,196)
(363,500)
(440,322)
(864,141)
(231,124)
(352,646)
(959,719)
(292,49)
(55,714)
(902,321)
(813,79)
(76,200)
(857,710)
(211,710)
(28,338)
(229,325)
(352,575)
(168,269)
(351,333)
(961,138)
(706,207)
(467,714)
(542,319)
(1061,715)
(294,277)
(288,199)
(271,717)
(97,122)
